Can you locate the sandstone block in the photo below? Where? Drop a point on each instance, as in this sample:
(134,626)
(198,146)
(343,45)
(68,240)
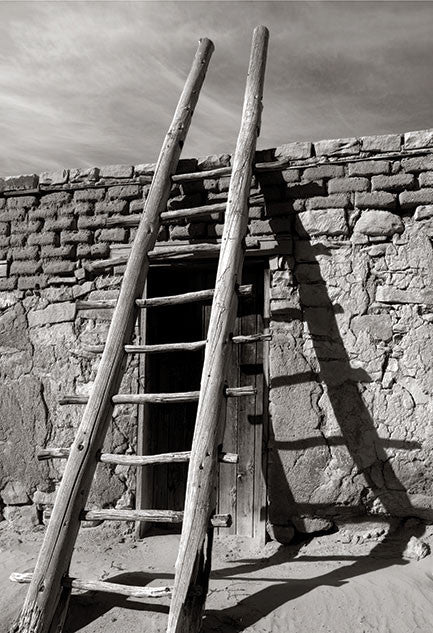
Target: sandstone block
(423,212)
(54,313)
(223,184)
(25,267)
(75,237)
(260,227)
(116,171)
(388,294)
(290,175)
(294,151)
(21,517)
(80,175)
(43,239)
(323,171)
(14,493)
(125,192)
(418,139)
(113,207)
(322,222)
(100,250)
(89,195)
(426,179)
(381,143)
(417,164)
(337,147)
(186,165)
(59,177)
(18,183)
(8,284)
(305,190)
(409,199)
(112,235)
(393,183)
(369,168)
(22,202)
(56,199)
(375,200)
(2,184)
(333,201)
(214,161)
(60,224)
(144,169)
(32,282)
(84,250)
(91,221)
(29,252)
(337,185)
(379,223)
(310,525)
(58,267)
(52,252)
(378,325)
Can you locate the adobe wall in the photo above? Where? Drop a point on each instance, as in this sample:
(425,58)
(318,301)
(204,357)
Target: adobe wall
(346,226)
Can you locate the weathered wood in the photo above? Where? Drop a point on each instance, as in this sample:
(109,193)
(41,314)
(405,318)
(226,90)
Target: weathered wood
(157,516)
(207,209)
(103,586)
(200,488)
(135,460)
(140,398)
(95,305)
(188,297)
(251,338)
(193,346)
(218,172)
(56,551)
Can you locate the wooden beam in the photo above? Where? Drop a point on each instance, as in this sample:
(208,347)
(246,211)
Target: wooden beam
(163,348)
(185,615)
(56,551)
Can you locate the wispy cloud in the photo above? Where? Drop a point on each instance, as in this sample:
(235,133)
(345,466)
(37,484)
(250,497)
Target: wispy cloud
(86,83)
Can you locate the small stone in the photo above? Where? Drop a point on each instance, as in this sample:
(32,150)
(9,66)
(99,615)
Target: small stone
(378,325)
(409,199)
(416,549)
(379,223)
(281,533)
(310,525)
(423,212)
(21,517)
(14,493)
(214,161)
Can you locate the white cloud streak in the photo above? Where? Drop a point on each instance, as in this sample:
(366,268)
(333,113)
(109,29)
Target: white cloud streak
(88,83)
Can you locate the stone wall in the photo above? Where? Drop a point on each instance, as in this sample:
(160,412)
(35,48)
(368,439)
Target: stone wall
(345,225)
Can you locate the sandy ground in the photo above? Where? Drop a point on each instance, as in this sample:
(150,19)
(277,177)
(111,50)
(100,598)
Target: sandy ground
(351,581)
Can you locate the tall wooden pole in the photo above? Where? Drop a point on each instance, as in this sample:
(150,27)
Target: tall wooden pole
(185,612)
(54,558)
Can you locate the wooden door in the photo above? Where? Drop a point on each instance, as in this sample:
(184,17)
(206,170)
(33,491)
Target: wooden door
(241,487)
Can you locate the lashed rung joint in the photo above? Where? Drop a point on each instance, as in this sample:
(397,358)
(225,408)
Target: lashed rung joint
(135,460)
(144,398)
(104,587)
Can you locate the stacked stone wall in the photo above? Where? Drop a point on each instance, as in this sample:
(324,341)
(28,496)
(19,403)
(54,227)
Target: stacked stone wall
(346,227)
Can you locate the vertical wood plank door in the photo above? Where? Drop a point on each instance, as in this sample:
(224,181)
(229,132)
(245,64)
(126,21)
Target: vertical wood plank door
(241,487)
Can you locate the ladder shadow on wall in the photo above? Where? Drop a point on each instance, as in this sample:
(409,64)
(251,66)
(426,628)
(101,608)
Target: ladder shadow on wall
(358,434)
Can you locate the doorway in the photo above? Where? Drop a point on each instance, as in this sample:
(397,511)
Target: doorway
(241,486)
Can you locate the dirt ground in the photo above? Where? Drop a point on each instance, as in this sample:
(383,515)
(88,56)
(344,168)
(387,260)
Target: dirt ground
(354,580)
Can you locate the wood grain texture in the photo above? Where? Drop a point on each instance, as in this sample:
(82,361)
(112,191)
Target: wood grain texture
(185,616)
(56,551)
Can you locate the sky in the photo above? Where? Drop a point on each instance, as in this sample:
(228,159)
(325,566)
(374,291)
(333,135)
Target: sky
(94,83)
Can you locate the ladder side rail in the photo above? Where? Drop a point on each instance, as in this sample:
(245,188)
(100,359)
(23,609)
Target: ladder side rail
(56,551)
(185,613)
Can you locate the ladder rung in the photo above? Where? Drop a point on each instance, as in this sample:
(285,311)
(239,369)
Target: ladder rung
(176,396)
(157,516)
(188,297)
(165,347)
(178,214)
(102,586)
(135,460)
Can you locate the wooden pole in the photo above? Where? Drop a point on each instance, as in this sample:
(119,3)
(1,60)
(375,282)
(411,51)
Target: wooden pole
(185,615)
(56,551)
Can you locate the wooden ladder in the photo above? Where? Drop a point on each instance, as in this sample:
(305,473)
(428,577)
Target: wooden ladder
(45,607)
